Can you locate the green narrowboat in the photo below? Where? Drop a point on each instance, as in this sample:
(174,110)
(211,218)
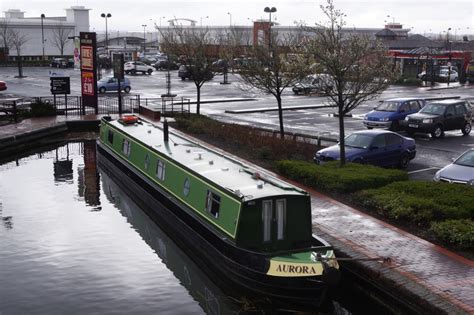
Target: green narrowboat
(253,228)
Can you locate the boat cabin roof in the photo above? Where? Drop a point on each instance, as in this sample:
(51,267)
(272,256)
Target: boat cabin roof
(240,179)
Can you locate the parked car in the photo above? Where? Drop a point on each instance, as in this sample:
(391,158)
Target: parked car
(439,116)
(376,147)
(390,112)
(164,64)
(186,72)
(446,75)
(220,65)
(461,171)
(133,67)
(314,83)
(61,63)
(3,86)
(436,72)
(111,84)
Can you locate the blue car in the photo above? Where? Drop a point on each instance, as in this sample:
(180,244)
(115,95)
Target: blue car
(390,112)
(376,147)
(111,84)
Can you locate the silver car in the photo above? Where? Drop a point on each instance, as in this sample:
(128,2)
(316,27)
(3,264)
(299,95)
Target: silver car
(461,171)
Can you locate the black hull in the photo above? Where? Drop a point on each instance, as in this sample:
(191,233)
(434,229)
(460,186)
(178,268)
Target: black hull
(209,251)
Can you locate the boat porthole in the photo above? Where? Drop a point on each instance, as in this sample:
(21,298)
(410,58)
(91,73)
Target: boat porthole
(186,187)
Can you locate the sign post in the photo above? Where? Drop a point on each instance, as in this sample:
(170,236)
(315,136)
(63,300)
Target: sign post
(117,65)
(88,48)
(60,85)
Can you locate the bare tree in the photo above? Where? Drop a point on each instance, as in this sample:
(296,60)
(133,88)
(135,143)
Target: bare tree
(195,47)
(5,35)
(275,66)
(18,40)
(60,37)
(359,68)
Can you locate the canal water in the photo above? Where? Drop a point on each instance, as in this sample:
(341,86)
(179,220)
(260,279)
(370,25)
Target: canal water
(73,242)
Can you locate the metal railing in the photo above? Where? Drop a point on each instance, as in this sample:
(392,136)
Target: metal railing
(72,105)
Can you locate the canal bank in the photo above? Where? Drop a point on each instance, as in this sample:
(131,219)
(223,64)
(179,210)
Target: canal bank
(419,278)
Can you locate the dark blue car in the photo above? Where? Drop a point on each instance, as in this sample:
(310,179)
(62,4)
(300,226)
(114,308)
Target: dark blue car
(376,147)
(390,112)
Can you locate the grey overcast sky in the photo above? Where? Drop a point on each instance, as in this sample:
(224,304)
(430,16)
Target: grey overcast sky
(129,15)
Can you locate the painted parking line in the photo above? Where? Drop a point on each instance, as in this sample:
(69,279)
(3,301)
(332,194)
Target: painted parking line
(424,170)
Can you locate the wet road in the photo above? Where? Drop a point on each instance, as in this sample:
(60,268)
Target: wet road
(431,156)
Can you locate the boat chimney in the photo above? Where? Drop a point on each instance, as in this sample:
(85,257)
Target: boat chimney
(165,131)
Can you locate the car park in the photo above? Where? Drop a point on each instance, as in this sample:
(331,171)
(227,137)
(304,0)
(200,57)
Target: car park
(3,86)
(132,67)
(439,116)
(314,83)
(165,64)
(389,113)
(375,147)
(461,171)
(111,84)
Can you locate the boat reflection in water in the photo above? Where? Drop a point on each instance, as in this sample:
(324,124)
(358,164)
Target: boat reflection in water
(213,298)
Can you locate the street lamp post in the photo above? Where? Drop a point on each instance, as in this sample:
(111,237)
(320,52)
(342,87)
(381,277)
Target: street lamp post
(42,36)
(270,11)
(205,17)
(106,16)
(144,38)
(393,19)
(449,47)
(230,18)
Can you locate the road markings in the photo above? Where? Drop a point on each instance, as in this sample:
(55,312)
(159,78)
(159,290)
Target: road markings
(424,170)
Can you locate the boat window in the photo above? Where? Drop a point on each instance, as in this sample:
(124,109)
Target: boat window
(281,218)
(213,203)
(126,147)
(186,187)
(147,161)
(267,220)
(160,170)
(111,136)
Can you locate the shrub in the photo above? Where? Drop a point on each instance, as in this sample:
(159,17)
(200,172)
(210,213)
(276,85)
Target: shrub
(420,201)
(408,81)
(459,233)
(332,177)
(40,108)
(254,143)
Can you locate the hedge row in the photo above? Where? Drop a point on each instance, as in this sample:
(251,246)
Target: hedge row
(333,178)
(250,142)
(459,233)
(420,202)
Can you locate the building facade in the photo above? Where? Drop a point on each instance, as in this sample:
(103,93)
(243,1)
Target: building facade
(42,35)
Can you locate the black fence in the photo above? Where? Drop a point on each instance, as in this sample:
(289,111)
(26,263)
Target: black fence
(72,105)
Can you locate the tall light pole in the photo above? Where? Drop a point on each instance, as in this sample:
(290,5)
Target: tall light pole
(393,19)
(42,35)
(205,17)
(106,16)
(144,38)
(270,11)
(230,18)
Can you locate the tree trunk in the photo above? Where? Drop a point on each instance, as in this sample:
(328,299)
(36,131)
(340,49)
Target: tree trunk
(342,147)
(280,116)
(198,101)
(20,68)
